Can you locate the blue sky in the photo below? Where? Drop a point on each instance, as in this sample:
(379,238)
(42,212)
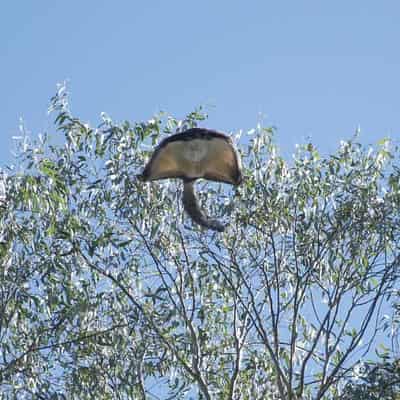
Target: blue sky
(311,68)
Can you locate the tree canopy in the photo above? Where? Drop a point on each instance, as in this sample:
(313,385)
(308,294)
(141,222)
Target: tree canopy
(375,381)
(108,291)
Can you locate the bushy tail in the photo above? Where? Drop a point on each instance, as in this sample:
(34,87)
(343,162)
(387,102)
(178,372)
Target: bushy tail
(192,207)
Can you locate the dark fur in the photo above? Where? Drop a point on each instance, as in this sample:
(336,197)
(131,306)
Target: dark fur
(192,207)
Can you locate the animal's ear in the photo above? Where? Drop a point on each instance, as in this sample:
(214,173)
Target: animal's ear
(195,153)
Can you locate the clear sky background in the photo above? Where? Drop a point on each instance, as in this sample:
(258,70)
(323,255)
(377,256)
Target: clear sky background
(313,68)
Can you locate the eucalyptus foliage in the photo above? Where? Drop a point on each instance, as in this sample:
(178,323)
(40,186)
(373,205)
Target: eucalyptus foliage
(375,381)
(107,290)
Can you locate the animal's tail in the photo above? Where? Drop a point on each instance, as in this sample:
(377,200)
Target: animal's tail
(192,207)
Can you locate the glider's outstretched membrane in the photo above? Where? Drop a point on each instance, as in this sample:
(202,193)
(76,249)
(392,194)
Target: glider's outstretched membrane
(193,154)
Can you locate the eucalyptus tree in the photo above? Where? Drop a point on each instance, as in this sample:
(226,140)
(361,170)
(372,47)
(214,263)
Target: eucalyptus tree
(375,381)
(107,290)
